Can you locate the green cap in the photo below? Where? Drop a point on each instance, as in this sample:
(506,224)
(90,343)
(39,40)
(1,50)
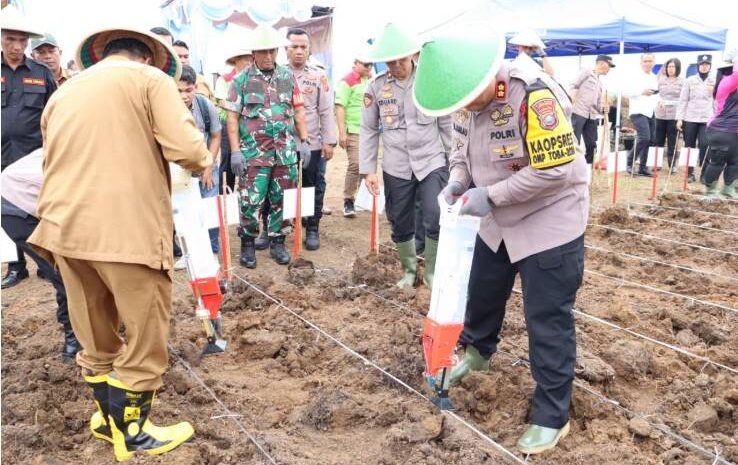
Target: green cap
(393,44)
(266,37)
(48,39)
(454,70)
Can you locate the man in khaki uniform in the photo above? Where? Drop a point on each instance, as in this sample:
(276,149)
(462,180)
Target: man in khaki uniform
(415,147)
(514,142)
(47,51)
(590,104)
(320,119)
(105,219)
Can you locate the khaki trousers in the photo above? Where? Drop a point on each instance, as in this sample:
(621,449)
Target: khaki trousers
(101,295)
(351,183)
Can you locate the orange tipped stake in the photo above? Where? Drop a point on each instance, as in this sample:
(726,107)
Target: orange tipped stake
(297,245)
(615,180)
(655,177)
(374,234)
(686,170)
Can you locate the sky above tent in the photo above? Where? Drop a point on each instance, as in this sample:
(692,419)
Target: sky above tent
(354,21)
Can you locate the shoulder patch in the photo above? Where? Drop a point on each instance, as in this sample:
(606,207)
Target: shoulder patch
(368,100)
(550,138)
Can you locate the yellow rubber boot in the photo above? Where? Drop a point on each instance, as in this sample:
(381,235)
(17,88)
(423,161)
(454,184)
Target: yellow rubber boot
(99,421)
(129,423)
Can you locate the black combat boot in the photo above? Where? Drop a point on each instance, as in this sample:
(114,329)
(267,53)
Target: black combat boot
(277,250)
(312,238)
(262,242)
(248,253)
(71,344)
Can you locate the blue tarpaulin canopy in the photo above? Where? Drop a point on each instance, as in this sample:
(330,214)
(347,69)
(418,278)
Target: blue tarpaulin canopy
(605,39)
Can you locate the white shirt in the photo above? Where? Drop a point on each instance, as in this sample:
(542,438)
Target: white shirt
(642,104)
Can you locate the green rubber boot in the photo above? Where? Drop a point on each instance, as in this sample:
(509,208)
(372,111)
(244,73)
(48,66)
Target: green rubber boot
(409,263)
(540,439)
(729,190)
(712,192)
(431,251)
(472,361)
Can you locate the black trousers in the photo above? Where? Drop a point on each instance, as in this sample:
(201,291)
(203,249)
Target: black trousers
(550,280)
(400,195)
(722,157)
(695,136)
(225,160)
(666,136)
(19,229)
(419,228)
(588,128)
(20,264)
(644,139)
(311,178)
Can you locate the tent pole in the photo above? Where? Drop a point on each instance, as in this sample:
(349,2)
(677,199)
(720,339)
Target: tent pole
(617,114)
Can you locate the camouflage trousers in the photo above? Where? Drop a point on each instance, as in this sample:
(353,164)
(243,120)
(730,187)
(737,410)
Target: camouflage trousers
(258,183)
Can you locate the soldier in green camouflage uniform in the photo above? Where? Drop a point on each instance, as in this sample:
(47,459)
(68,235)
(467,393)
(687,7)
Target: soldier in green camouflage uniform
(264,108)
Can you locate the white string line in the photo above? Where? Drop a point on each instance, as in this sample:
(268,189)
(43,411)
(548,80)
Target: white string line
(657,238)
(662,291)
(681,223)
(681,267)
(618,406)
(702,196)
(650,288)
(651,205)
(228,412)
(369,362)
(649,339)
(639,335)
(591,391)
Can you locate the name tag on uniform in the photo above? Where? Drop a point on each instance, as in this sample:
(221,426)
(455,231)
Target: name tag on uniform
(389,109)
(34,81)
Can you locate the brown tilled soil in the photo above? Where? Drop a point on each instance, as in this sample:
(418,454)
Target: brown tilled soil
(307,400)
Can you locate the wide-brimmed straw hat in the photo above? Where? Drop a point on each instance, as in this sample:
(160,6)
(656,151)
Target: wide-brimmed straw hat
(12,20)
(454,70)
(235,53)
(527,38)
(267,38)
(90,51)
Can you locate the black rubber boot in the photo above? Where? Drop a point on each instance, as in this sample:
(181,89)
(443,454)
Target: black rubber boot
(262,242)
(71,344)
(277,250)
(312,238)
(248,253)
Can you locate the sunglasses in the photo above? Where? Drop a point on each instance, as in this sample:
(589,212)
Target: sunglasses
(365,65)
